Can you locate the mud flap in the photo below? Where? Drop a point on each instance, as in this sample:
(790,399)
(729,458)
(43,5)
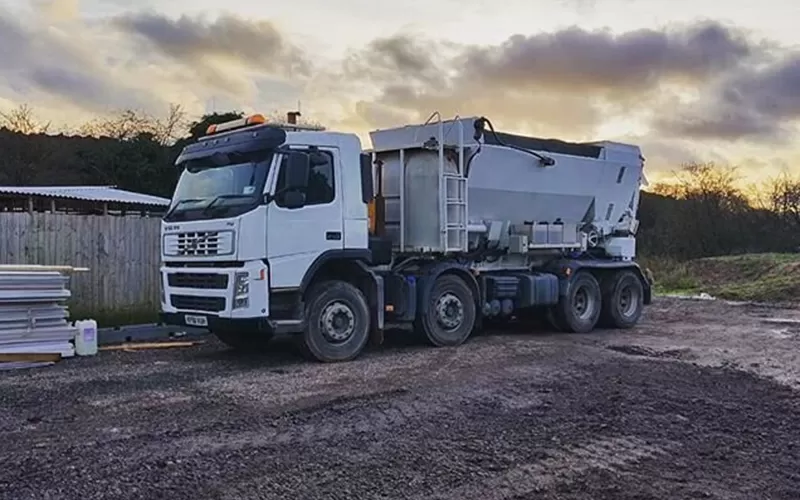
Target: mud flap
(377,303)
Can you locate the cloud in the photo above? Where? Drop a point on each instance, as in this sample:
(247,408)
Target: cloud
(666,155)
(58,10)
(581,60)
(756,103)
(665,88)
(402,56)
(212,47)
(84,67)
(39,60)
(557,83)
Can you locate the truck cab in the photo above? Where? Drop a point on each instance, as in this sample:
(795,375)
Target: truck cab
(260,208)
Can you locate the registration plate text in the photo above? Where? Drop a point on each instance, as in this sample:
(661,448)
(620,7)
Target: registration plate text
(196,320)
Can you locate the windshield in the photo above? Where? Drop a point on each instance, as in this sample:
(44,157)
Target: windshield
(222,185)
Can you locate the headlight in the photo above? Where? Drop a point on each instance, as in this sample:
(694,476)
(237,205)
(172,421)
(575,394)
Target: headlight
(241,290)
(242,284)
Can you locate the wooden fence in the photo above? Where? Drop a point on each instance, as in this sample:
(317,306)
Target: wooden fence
(121,252)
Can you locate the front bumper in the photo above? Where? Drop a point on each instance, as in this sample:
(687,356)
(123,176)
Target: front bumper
(216,293)
(215,323)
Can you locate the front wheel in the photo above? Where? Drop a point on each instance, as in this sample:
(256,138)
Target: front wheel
(338,322)
(451,313)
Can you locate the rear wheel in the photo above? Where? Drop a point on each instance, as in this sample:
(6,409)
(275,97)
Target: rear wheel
(244,340)
(579,310)
(623,300)
(451,314)
(338,322)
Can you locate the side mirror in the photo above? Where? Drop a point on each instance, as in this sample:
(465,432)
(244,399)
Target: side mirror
(317,159)
(298,168)
(294,199)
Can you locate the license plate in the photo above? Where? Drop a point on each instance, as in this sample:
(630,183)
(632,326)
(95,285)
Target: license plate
(196,320)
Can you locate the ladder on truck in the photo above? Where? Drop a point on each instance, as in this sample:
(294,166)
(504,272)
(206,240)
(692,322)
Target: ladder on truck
(452,190)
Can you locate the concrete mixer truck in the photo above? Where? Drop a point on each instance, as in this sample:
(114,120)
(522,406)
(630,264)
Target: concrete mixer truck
(441,228)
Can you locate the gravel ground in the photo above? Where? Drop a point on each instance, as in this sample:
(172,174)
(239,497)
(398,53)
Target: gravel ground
(700,401)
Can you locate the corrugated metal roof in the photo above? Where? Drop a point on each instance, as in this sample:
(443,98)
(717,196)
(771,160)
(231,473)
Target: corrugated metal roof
(87,193)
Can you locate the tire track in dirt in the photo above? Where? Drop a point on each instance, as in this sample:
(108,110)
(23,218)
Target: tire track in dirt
(505,390)
(337,417)
(330,420)
(353,416)
(561,466)
(512,388)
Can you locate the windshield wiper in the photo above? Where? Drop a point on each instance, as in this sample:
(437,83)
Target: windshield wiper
(171,211)
(221,197)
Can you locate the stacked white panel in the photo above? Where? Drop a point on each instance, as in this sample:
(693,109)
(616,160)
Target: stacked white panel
(33,313)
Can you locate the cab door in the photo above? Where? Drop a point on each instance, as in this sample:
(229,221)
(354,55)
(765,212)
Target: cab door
(297,236)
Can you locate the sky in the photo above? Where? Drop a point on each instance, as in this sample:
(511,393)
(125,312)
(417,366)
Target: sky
(686,80)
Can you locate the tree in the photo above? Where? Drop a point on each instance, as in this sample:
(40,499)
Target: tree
(713,216)
(170,129)
(23,120)
(128,124)
(705,212)
(783,198)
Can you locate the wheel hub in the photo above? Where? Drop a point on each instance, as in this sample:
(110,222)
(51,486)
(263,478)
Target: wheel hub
(449,311)
(582,303)
(628,299)
(337,322)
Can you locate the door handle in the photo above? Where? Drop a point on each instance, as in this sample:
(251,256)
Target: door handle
(333,235)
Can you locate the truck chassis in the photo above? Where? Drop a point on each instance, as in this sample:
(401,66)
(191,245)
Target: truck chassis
(345,300)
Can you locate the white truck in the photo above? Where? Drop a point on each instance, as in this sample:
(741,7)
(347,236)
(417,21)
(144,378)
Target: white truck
(276,228)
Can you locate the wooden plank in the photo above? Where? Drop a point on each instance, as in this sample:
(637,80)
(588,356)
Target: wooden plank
(150,345)
(29,357)
(115,260)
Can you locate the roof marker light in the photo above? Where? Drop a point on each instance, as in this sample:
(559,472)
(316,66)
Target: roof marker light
(256,119)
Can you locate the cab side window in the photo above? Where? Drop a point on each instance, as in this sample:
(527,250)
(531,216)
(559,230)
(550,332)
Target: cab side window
(321,186)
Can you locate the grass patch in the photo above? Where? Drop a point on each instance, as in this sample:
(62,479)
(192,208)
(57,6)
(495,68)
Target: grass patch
(753,277)
(117,317)
(672,276)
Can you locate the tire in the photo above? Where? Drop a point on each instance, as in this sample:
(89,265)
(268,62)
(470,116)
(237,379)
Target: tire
(338,322)
(451,314)
(579,310)
(551,318)
(623,300)
(244,340)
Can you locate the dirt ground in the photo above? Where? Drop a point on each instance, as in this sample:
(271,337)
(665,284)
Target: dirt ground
(700,401)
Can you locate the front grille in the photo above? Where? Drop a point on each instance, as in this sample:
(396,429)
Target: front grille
(198,280)
(192,303)
(199,244)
